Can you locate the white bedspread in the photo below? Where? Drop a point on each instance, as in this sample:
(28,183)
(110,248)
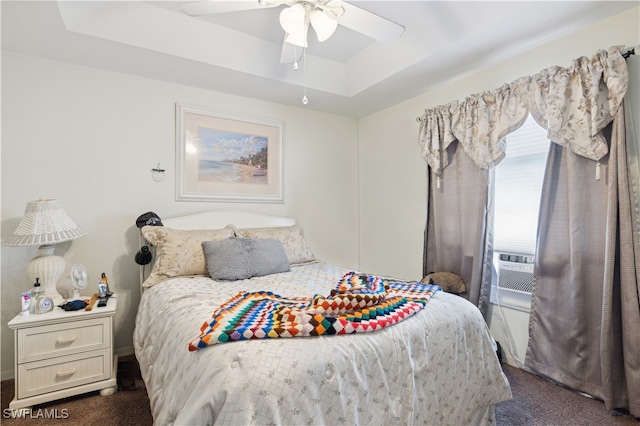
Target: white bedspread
(437,367)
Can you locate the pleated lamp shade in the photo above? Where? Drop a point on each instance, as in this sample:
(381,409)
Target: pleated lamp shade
(44,222)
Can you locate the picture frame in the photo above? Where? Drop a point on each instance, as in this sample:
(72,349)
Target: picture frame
(227,157)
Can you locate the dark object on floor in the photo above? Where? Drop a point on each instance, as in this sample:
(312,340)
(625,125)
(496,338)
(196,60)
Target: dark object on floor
(128,374)
(499,351)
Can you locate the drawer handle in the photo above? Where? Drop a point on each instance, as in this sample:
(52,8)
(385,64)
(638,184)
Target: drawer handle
(67,372)
(66,340)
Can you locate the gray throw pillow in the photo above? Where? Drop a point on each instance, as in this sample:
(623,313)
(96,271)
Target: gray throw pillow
(241,258)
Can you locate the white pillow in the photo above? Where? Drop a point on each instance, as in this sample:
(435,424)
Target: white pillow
(179,252)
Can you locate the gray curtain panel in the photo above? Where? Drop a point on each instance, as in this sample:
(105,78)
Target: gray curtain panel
(630,243)
(585,316)
(566,306)
(456,228)
(632,133)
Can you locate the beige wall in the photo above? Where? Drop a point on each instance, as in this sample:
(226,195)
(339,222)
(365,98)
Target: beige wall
(90,139)
(392,172)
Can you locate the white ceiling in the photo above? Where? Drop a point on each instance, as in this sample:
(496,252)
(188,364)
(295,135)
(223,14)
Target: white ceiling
(239,52)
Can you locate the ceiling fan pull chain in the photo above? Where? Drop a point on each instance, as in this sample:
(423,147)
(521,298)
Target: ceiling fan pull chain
(305,100)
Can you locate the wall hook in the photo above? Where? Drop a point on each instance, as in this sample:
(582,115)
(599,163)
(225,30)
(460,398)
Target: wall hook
(157,173)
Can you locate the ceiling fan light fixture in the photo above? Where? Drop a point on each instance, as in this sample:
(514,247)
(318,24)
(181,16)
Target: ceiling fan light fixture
(295,23)
(292,18)
(323,25)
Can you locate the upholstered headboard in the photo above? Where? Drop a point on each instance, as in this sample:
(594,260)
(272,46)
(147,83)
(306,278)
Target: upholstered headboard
(221,218)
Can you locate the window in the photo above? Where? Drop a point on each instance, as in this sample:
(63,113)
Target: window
(518,184)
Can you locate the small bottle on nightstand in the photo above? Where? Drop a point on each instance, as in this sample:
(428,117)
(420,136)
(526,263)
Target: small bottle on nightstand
(36,292)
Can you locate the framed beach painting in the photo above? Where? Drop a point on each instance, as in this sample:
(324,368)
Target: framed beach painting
(227,157)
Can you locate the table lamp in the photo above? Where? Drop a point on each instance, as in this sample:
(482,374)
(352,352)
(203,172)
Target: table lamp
(45,223)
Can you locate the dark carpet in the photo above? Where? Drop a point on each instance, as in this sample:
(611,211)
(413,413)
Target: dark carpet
(536,402)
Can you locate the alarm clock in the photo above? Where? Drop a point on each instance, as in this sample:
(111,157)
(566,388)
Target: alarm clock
(44,304)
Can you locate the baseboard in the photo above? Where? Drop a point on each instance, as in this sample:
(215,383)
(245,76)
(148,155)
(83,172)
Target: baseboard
(7,375)
(508,359)
(129,350)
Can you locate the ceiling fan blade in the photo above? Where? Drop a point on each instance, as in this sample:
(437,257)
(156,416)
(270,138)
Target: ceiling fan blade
(367,23)
(290,53)
(208,7)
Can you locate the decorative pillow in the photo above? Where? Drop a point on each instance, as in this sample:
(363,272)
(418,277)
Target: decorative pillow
(241,258)
(179,252)
(291,238)
(448,281)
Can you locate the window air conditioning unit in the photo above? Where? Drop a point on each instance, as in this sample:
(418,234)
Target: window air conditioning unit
(515,272)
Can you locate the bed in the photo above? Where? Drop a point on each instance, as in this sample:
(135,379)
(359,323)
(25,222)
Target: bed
(435,367)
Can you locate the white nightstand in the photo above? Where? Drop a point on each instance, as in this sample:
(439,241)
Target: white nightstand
(61,354)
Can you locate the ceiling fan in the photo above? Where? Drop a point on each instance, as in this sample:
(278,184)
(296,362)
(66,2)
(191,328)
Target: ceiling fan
(321,15)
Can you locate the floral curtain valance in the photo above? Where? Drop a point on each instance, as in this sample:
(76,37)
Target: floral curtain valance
(574,104)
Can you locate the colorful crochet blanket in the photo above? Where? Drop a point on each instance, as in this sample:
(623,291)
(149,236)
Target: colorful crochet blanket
(359,303)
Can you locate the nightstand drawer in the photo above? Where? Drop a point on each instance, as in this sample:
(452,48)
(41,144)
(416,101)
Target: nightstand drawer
(45,342)
(46,376)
